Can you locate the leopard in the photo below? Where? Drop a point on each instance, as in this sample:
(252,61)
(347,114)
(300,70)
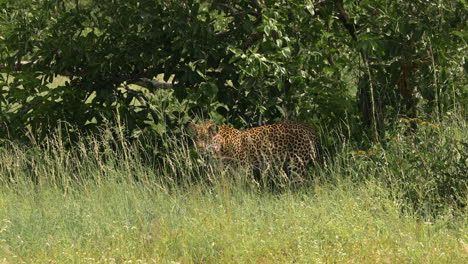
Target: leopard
(293,144)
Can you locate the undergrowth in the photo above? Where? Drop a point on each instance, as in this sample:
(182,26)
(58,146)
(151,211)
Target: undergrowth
(103,200)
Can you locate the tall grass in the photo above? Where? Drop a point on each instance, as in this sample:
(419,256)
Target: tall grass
(426,169)
(103,200)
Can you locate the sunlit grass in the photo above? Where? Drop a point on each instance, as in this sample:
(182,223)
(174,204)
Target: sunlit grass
(121,222)
(103,202)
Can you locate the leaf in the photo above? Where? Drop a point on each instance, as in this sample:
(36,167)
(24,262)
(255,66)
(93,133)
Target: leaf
(310,8)
(286,52)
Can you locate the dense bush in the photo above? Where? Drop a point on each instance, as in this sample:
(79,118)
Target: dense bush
(241,62)
(425,169)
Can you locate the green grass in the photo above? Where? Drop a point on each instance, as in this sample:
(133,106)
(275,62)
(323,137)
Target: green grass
(83,205)
(121,222)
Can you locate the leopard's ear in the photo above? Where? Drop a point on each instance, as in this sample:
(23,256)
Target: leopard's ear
(191,128)
(212,129)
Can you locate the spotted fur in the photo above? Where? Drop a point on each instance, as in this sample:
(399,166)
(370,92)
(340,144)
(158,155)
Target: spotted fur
(291,143)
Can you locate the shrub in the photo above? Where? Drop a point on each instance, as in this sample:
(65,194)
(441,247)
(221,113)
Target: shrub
(426,168)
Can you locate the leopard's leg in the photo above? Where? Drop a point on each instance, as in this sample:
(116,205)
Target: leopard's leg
(297,169)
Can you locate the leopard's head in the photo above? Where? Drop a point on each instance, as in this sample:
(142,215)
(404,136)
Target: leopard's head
(204,136)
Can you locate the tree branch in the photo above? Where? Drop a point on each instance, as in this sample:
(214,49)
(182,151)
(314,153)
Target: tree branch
(145,82)
(344,18)
(18,66)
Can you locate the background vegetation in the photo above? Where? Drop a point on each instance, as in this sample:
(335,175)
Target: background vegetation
(95,165)
(242,62)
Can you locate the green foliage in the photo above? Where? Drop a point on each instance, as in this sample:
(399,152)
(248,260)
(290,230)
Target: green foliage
(72,67)
(242,62)
(416,52)
(101,46)
(426,169)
